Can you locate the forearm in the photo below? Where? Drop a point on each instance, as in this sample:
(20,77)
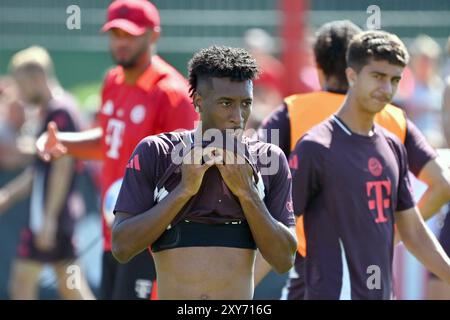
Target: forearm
(436,176)
(58,186)
(433,200)
(132,235)
(84,145)
(275,241)
(426,248)
(262,268)
(20,187)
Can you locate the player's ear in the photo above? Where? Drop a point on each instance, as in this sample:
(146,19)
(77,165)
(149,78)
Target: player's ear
(154,34)
(198,102)
(351,76)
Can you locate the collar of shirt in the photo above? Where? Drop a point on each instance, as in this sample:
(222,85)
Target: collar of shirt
(146,80)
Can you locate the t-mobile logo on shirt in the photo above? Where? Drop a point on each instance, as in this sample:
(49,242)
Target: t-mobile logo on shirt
(113,137)
(379,203)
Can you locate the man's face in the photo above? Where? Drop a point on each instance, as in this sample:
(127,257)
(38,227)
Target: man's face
(224,104)
(126,49)
(30,86)
(375,84)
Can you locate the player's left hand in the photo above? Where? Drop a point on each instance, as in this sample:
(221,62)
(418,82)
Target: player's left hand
(46,238)
(236,173)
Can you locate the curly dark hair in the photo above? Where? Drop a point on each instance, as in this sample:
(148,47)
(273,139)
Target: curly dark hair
(377,45)
(330,47)
(221,62)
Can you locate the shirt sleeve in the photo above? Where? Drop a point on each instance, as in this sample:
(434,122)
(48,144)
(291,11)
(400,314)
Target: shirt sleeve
(279,199)
(277,120)
(63,120)
(418,149)
(405,198)
(177,111)
(137,191)
(307,165)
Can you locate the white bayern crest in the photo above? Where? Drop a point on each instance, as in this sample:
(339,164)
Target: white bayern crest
(137,114)
(108,108)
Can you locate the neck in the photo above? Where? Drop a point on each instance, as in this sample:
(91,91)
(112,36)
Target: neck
(132,74)
(354,116)
(332,84)
(46,96)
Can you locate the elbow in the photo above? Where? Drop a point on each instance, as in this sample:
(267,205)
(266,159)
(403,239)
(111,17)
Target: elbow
(284,265)
(286,262)
(408,238)
(120,254)
(118,248)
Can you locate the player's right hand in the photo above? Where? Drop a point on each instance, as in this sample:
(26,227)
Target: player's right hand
(194,166)
(48,146)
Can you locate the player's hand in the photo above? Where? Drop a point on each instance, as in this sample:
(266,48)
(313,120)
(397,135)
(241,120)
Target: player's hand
(46,238)
(236,173)
(48,146)
(194,166)
(4,201)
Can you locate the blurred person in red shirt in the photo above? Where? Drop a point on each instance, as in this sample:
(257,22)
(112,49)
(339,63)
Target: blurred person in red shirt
(143,95)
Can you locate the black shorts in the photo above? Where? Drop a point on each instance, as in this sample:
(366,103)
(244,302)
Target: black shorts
(64,249)
(135,280)
(444,235)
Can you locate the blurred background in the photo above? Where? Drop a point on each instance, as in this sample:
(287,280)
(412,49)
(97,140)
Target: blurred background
(278,32)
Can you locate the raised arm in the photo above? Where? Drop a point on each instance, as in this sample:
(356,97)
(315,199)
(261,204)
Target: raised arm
(269,224)
(83,145)
(132,233)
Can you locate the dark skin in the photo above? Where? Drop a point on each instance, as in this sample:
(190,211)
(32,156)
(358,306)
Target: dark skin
(209,272)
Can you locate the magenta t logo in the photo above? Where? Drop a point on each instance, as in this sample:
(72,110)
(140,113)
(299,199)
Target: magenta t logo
(379,203)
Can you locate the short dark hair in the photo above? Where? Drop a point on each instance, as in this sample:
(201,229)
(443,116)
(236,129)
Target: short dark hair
(377,45)
(330,47)
(221,62)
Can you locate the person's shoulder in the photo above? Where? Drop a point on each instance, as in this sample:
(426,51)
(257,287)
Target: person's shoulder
(63,105)
(395,143)
(321,134)
(164,142)
(260,147)
(391,137)
(314,98)
(64,100)
(112,74)
(170,77)
(171,84)
(394,112)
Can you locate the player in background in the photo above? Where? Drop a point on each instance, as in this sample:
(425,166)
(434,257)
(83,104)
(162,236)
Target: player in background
(47,239)
(301,112)
(141,96)
(351,184)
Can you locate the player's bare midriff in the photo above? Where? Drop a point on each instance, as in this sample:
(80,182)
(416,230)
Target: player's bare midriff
(205,273)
